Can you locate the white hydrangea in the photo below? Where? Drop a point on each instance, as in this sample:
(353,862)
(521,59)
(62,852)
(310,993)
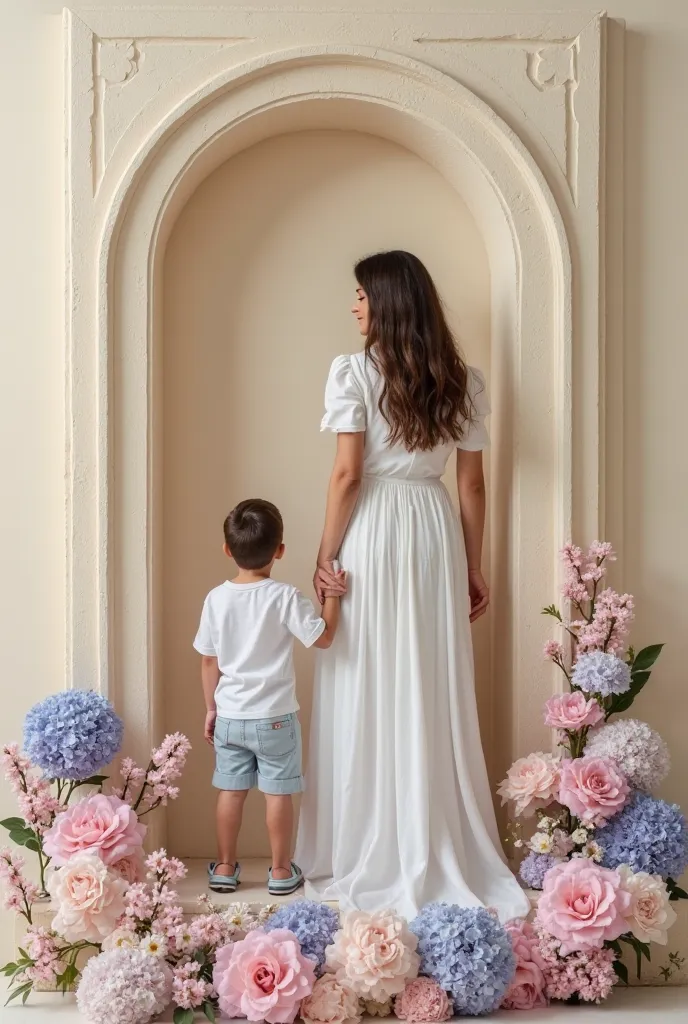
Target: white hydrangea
(125,986)
(640,752)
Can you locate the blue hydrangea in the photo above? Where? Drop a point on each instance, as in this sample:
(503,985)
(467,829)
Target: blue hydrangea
(534,868)
(601,673)
(72,734)
(314,925)
(468,953)
(648,835)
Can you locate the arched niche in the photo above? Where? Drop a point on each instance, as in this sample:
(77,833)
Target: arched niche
(114,582)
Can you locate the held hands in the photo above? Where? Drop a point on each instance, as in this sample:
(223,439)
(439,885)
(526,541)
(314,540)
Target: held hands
(209,726)
(478,592)
(328,581)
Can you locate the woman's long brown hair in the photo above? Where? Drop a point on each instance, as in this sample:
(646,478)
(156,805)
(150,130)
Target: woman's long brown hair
(424,397)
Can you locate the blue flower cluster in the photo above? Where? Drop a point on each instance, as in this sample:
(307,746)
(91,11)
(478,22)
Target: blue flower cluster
(468,954)
(534,868)
(601,673)
(314,925)
(72,734)
(648,835)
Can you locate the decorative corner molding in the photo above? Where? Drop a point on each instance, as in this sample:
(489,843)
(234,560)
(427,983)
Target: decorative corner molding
(117,60)
(556,67)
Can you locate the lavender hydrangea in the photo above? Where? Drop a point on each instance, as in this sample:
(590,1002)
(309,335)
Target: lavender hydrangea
(534,868)
(72,734)
(640,752)
(598,672)
(124,985)
(468,953)
(314,925)
(648,835)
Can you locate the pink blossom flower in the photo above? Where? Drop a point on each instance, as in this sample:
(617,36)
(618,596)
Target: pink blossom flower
(423,1000)
(330,1002)
(188,990)
(105,825)
(553,650)
(589,974)
(601,551)
(610,624)
(572,711)
(37,804)
(88,897)
(21,893)
(263,977)
(531,782)
(582,905)
(374,953)
(593,788)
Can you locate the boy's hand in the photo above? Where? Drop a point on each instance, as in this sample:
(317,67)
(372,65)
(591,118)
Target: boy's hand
(209,727)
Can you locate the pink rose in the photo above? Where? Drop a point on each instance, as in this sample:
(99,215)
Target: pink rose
(423,1000)
(131,869)
(583,905)
(593,788)
(102,824)
(263,977)
(531,782)
(524,941)
(330,1002)
(527,990)
(572,711)
(374,954)
(89,898)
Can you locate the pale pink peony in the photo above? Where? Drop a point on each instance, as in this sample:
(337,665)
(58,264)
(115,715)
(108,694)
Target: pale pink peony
(593,788)
(102,824)
(527,990)
(583,905)
(524,940)
(531,782)
(572,711)
(650,913)
(263,977)
(423,1000)
(88,897)
(330,1002)
(131,869)
(374,953)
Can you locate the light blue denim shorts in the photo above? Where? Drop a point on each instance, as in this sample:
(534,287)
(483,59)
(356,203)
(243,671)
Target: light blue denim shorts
(263,752)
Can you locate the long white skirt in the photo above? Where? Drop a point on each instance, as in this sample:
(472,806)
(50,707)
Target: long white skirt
(397,809)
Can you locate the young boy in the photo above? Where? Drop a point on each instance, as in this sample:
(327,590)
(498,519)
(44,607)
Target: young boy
(246,638)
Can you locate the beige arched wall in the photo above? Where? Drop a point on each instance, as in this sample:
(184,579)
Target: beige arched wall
(257,288)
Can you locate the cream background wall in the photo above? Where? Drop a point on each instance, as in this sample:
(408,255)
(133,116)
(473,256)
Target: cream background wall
(648,515)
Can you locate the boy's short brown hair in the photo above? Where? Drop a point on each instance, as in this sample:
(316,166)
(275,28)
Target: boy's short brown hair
(253,532)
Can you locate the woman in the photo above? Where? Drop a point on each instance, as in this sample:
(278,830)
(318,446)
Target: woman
(397,811)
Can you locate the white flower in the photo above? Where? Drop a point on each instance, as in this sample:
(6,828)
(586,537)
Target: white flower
(650,914)
(154,945)
(532,782)
(88,897)
(640,752)
(119,938)
(594,851)
(518,843)
(540,842)
(545,823)
(373,954)
(580,836)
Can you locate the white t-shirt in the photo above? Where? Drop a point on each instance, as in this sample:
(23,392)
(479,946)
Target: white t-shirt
(250,629)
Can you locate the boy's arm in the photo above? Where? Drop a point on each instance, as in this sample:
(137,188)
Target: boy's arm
(210,677)
(330,613)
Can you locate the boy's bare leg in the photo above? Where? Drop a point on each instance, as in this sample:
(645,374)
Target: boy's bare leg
(279,817)
(230,809)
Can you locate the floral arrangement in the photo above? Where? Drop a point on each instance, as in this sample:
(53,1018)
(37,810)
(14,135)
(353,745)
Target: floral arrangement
(605,852)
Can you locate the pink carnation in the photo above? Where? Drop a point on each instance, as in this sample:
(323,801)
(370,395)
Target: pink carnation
(263,977)
(99,824)
(531,782)
(572,711)
(423,1000)
(593,788)
(583,905)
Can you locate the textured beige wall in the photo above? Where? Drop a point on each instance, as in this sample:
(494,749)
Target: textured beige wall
(648,512)
(258,285)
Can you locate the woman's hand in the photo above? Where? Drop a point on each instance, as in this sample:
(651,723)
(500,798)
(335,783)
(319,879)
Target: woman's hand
(478,592)
(326,579)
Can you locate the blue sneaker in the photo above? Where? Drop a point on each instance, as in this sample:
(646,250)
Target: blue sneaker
(223,883)
(285,886)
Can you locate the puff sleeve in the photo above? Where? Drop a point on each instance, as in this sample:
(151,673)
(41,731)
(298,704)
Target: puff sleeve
(344,402)
(476,436)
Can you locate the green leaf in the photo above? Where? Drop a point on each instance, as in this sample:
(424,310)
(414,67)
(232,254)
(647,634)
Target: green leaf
(13,824)
(199,956)
(26,987)
(623,701)
(8,969)
(25,837)
(209,1011)
(95,780)
(552,610)
(675,891)
(646,658)
(621,971)
(182,1016)
(25,954)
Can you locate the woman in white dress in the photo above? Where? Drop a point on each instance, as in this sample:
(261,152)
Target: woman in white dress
(397,811)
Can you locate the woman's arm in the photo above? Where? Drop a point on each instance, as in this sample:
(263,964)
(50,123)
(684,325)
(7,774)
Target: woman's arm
(342,495)
(471,486)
